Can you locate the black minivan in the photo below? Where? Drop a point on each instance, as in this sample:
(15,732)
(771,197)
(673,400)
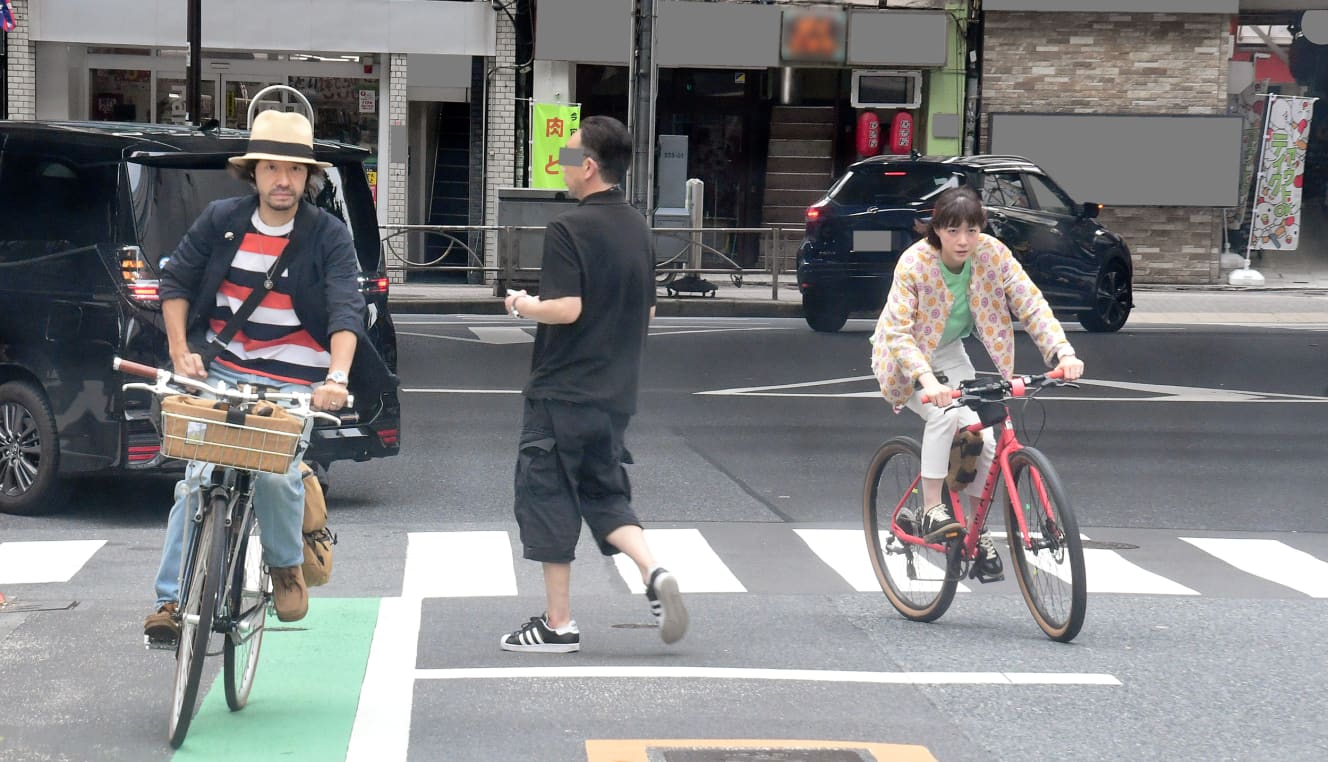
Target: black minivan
(87,211)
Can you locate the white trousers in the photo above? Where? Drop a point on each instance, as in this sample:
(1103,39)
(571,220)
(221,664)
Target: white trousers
(939,432)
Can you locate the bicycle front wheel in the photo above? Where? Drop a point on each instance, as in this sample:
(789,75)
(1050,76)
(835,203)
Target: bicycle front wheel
(1049,557)
(919,580)
(247,603)
(199,604)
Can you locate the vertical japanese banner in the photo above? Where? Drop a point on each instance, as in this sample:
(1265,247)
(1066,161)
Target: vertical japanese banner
(1275,218)
(551,126)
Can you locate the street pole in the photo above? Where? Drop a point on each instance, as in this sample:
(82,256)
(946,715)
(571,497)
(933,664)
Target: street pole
(642,83)
(194,80)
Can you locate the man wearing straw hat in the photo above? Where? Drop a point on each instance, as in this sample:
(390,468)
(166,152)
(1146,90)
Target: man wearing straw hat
(307,331)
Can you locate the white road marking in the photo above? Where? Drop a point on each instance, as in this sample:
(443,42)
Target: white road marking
(845,551)
(382,719)
(1272,560)
(463,391)
(24,563)
(686,554)
(1160,392)
(805,675)
(458,565)
(491,335)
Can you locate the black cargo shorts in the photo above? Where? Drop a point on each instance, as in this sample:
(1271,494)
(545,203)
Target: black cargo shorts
(570,468)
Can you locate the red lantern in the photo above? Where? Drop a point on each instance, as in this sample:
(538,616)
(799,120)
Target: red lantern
(901,133)
(869,134)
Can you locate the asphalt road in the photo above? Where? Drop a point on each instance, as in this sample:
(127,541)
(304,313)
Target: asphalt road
(1193,456)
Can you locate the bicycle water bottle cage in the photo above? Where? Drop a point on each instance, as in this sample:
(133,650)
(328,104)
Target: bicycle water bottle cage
(991,413)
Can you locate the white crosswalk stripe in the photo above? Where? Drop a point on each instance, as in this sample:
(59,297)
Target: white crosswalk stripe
(686,554)
(24,563)
(472,563)
(1272,560)
(458,565)
(845,551)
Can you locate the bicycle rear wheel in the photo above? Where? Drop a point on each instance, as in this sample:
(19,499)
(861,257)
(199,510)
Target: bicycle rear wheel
(247,604)
(199,605)
(919,581)
(1050,568)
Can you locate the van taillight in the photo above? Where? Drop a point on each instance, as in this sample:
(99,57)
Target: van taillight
(138,278)
(813,213)
(373,286)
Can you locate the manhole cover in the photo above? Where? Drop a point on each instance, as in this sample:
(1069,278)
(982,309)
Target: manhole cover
(760,755)
(1108,545)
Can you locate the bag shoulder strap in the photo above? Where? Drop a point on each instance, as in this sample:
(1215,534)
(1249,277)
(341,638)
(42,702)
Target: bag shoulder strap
(232,327)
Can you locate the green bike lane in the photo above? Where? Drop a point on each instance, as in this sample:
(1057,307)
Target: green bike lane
(305,695)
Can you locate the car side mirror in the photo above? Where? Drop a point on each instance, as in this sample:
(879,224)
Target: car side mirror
(1091,210)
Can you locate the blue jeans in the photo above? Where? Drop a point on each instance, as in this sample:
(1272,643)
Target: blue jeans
(278,501)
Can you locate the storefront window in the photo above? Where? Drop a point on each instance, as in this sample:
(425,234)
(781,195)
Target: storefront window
(120,95)
(172,100)
(345,110)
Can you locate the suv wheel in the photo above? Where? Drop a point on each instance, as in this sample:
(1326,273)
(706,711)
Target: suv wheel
(824,312)
(29,451)
(1113,299)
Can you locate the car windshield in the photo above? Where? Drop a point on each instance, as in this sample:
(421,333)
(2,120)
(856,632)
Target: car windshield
(167,200)
(893,185)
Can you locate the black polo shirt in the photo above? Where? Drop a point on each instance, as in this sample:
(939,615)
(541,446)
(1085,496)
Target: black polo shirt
(600,251)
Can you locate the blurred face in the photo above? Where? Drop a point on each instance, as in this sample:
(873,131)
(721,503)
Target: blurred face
(280,183)
(957,244)
(575,174)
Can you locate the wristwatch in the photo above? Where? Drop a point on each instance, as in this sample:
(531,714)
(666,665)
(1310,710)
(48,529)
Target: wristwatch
(338,377)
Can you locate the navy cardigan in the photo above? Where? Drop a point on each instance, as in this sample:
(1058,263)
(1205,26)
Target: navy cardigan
(322,267)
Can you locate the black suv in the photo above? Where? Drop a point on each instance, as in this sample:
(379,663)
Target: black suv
(857,231)
(89,210)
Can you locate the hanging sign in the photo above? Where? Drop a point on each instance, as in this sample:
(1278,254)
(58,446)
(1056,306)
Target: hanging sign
(7,21)
(1275,219)
(551,126)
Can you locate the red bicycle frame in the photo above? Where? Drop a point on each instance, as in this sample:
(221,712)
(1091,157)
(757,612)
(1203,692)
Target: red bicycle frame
(1006,444)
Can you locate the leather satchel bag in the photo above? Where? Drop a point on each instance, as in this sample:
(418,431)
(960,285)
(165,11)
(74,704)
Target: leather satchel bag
(318,539)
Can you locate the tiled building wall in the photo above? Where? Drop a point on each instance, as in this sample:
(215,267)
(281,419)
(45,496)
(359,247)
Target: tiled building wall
(398,187)
(1106,63)
(22,91)
(499,128)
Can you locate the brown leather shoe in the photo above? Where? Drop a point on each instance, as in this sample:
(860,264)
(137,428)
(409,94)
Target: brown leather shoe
(290,596)
(163,625)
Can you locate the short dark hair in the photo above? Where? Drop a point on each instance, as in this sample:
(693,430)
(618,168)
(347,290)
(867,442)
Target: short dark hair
(609,143)
(956,207)
(244,171)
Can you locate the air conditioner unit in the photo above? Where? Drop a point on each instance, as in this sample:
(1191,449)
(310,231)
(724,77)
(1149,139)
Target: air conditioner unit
(886,88)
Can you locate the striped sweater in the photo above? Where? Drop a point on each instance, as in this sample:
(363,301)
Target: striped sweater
(271,343)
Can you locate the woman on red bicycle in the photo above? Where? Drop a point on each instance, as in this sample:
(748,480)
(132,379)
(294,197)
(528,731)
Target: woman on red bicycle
(957,282)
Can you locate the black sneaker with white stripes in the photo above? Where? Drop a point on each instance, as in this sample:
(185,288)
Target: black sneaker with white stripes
(666,605)
(536,636)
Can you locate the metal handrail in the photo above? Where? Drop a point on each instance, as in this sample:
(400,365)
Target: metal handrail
(505,267)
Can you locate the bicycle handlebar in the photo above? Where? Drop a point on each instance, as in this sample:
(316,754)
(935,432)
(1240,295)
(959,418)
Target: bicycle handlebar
(1015,387)
(169,383)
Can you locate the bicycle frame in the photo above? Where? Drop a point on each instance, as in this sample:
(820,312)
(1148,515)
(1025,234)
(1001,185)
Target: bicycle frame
(238,490)
(1006,445)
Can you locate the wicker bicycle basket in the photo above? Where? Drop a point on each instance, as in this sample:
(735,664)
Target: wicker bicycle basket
(195,429)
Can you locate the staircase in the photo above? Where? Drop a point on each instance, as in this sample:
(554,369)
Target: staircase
(800,167)
(449,197)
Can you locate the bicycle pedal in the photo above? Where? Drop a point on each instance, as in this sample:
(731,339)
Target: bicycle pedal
(152,644)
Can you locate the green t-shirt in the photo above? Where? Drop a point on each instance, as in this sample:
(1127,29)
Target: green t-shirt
(960,323)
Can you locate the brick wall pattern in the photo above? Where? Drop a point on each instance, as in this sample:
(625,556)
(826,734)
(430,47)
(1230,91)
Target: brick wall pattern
(1119,63)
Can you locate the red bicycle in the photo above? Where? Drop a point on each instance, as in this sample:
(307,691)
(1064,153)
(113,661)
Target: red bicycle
(920,578)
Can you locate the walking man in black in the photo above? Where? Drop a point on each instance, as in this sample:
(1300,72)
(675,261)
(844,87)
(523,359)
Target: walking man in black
(596,300)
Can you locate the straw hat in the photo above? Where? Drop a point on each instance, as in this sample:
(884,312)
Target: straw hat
(281,136)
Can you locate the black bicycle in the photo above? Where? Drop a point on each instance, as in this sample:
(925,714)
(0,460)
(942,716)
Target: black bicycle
(225,588)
